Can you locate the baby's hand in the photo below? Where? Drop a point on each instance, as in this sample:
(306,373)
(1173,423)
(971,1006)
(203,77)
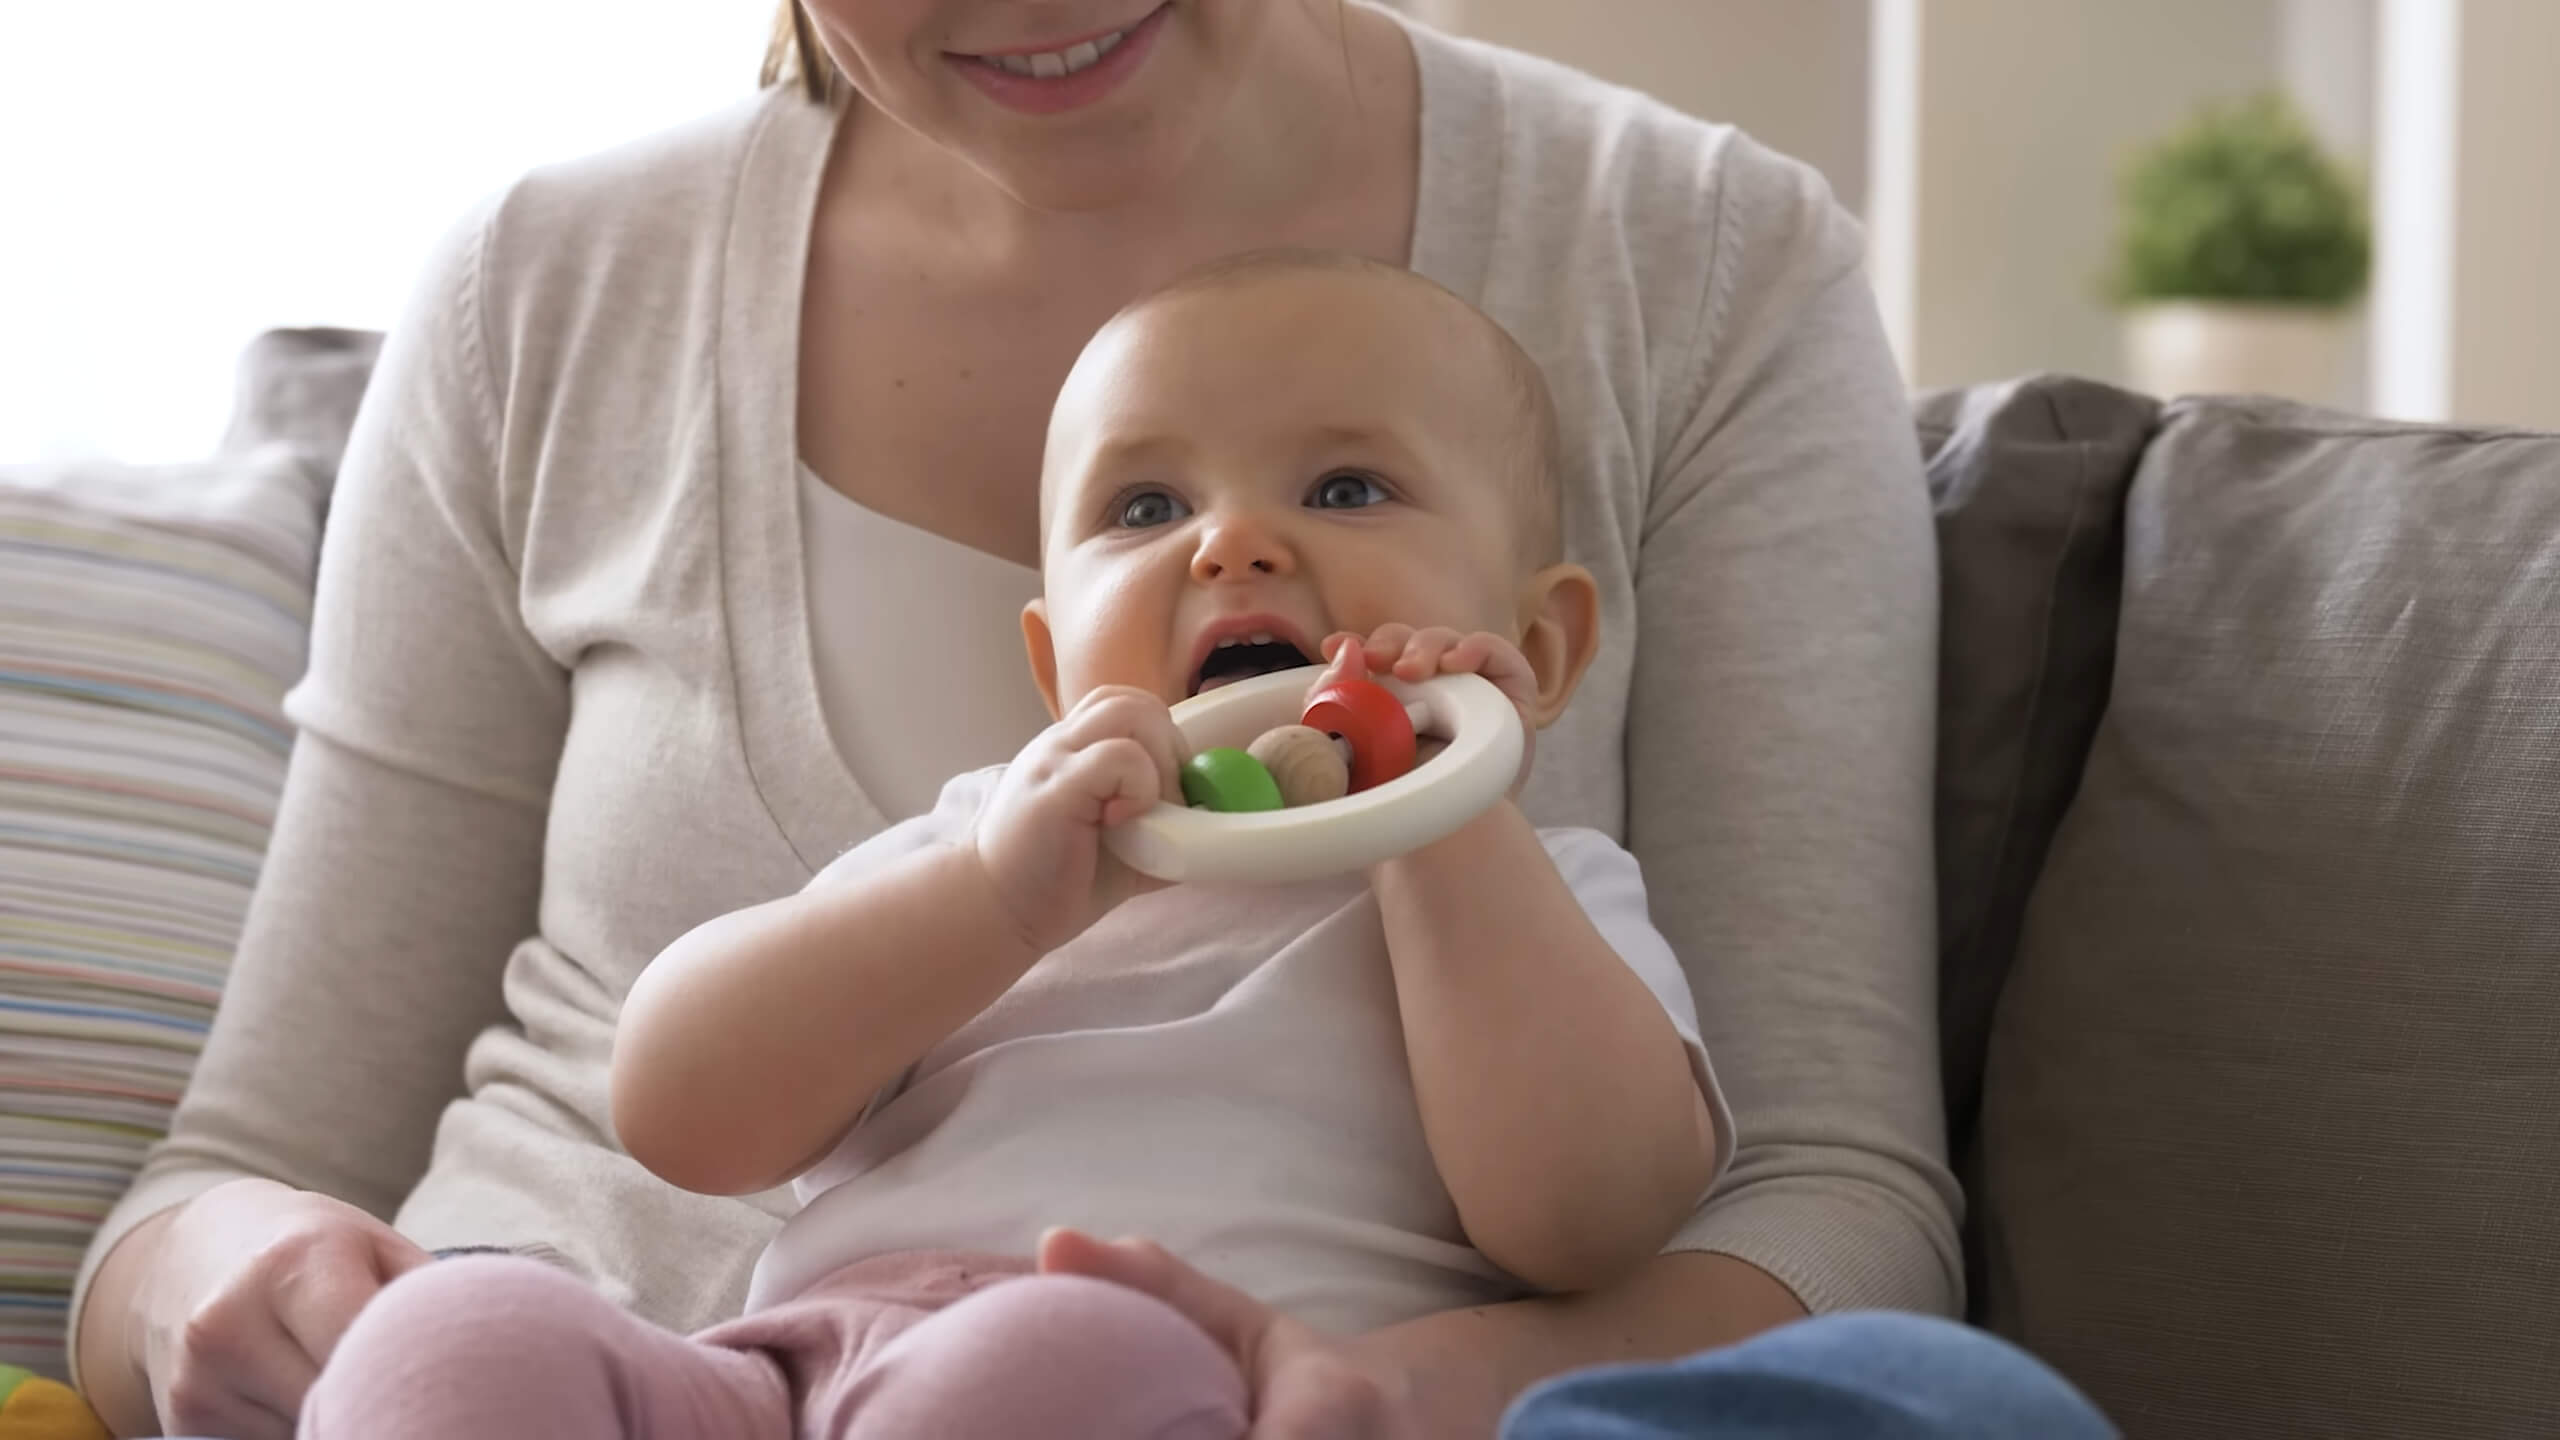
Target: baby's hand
(1113,757)
(1415,655)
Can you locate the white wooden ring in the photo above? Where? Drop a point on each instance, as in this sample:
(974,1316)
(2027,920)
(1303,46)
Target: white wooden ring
(1278,847)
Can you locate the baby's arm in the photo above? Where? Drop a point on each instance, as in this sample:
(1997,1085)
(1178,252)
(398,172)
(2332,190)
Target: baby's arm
(750,1046)
(1555,1092)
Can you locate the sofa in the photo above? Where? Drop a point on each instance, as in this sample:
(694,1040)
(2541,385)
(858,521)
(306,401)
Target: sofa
(2248,868)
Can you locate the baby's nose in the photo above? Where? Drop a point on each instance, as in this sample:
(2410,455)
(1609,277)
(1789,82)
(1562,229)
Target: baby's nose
(1234,549)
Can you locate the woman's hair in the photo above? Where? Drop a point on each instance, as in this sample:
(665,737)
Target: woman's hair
(794,57)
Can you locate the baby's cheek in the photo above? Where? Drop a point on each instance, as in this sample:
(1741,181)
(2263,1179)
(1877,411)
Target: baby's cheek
(1117,637)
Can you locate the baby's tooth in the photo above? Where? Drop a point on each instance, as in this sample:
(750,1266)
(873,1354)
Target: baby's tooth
(1261,637)
(1079,56)
(1048,67)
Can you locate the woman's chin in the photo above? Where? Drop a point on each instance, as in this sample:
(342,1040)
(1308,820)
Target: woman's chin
(1136,145)
(1086,178)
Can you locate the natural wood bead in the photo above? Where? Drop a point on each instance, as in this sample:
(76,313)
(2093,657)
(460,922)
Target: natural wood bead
(1310,770)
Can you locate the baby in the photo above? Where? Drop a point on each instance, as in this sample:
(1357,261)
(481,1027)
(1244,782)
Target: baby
(1470,1073)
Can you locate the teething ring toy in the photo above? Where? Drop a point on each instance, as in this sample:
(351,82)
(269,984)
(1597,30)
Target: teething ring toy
(1423,804)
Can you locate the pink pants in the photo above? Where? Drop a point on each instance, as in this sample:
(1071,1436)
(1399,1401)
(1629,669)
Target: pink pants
(902,1347)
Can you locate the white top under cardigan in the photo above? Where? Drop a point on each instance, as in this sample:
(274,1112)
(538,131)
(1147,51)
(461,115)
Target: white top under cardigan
(916,641)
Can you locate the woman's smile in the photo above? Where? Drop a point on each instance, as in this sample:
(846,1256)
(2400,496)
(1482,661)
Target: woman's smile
(1063,77)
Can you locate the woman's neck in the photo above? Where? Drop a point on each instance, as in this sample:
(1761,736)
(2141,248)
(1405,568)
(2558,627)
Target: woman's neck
(1319,116)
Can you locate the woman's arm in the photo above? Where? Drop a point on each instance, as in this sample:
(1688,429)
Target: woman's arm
(1453,1373)
(1782,720)
(1523,1030)
(403,869)
(371,956)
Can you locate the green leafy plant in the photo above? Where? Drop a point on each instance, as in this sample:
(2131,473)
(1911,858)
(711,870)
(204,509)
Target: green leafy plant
(2242,204)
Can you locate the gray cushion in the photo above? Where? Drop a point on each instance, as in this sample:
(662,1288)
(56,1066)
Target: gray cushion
(297,389)
(2271,1125)
(2029,480)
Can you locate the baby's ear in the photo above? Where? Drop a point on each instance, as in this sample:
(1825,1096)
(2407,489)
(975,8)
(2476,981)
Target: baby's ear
(1559,634)
(1044,653)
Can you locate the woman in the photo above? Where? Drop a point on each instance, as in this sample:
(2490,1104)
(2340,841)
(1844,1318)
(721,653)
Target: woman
(595,658)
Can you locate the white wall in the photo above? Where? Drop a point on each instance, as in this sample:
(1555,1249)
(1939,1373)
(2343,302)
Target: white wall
(2326,53)
(2024,113)
(2506,312)
(1792,72)
(2328,58)
(1987,143)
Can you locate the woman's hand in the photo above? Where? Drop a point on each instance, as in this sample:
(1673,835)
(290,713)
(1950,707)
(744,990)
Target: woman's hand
(1111,759)
(1305,1385)
(251,1287)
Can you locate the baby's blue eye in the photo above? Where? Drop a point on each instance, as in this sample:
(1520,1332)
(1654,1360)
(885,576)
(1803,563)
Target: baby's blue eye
(1347,490)
(1150,508)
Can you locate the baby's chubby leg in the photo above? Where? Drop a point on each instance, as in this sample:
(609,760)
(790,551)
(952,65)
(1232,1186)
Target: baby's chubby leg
(1049,1355)
(494,1348)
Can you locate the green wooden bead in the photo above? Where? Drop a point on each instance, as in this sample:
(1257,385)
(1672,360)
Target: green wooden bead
(1229,780)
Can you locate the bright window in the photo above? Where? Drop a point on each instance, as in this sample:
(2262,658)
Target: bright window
(178,175)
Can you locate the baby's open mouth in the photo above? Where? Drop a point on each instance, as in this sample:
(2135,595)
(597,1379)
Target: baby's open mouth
(1241,657)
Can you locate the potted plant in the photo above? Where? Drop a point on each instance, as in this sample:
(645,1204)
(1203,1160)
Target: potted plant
(2244,249)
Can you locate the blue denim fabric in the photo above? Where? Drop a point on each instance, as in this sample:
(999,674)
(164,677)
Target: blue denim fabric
(1870,1376)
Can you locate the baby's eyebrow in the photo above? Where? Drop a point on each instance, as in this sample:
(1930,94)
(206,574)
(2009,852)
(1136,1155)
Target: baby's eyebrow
(1386,443)
(1100,470)
(1136,449)
(1352,434)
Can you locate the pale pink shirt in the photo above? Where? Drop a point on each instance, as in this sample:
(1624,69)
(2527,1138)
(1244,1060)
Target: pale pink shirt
(1219,1069)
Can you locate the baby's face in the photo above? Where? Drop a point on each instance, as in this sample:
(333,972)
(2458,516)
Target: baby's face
(1237,472)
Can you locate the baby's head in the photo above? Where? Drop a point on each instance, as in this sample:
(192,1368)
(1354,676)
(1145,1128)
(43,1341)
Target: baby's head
(1288,445)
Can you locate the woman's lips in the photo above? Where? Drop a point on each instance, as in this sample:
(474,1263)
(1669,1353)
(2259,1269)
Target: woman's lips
(1051,85)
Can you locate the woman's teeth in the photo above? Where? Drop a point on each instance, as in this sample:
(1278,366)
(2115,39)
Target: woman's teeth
(1052,64)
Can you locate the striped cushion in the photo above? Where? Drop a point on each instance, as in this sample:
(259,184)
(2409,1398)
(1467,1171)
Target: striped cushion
(150,622)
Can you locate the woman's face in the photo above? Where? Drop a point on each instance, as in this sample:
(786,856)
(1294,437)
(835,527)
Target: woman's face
(1067,104)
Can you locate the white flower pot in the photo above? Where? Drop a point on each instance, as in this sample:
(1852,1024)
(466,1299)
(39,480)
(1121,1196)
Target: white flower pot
(2197,347)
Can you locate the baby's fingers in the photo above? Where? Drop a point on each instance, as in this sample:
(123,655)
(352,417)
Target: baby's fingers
(1423,653)
(1156,733)
(1387,644)
(1121,776)
(1468,656)
(1122,713)
(1497,660)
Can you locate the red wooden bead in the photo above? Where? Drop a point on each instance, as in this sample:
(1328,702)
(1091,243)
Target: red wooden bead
(1373,720)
